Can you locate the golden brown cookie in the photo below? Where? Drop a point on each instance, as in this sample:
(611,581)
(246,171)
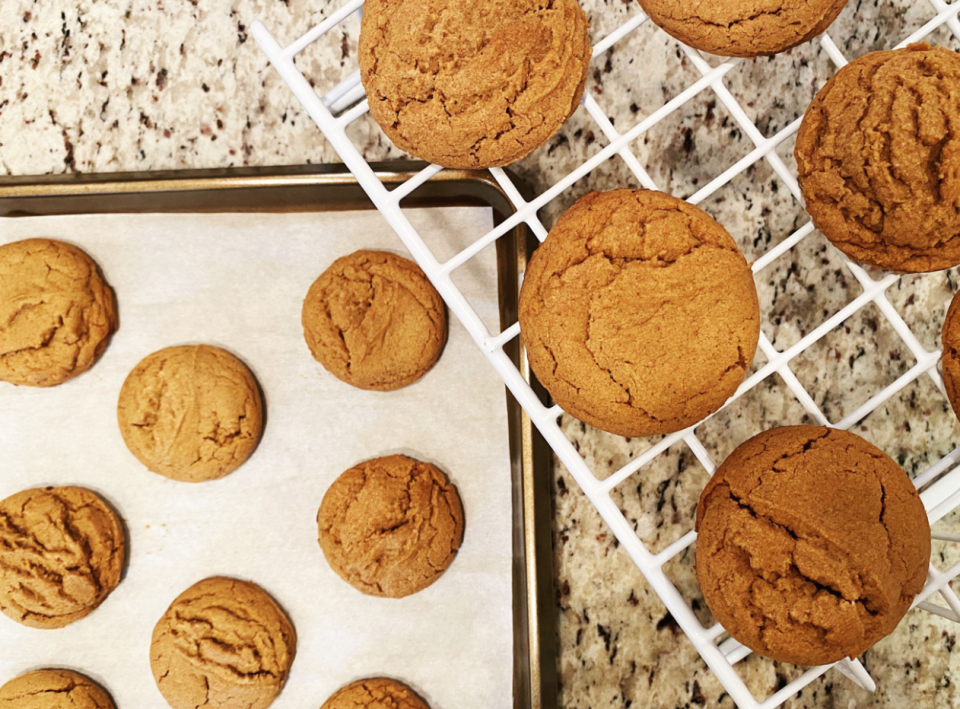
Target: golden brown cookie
(743,28)
(61,555)
(639,314)
(879,161)
(191,413)
(391,526)
(950,336)
(222,644)
(53,689)
(374,693)
(374,321)
(812,544)
(56,312)
(473,83)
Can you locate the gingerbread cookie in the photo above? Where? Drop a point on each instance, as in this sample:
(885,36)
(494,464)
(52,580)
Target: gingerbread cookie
(391,526)
(56,312)
(191,413)
(53,689)
(375,693)
(639,314)
(473,83)
(879,163)
(743,28)
(222,644)
(950,336)
(812,544)
(374,321)
(61,555)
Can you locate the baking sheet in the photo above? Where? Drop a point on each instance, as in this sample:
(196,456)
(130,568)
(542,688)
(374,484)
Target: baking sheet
(238,281)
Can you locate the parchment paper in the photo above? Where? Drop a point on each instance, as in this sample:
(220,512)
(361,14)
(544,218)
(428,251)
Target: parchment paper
(238,281)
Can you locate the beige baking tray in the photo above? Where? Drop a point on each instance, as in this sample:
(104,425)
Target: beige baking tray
(329,188)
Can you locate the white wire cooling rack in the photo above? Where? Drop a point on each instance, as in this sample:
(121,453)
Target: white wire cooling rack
(939,484)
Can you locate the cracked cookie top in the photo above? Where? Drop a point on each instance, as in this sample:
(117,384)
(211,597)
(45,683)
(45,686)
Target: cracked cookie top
(743,28)
(53,689)
(61,555)
(391,526)
(879,159)
(191,413)
(639,313)
(56,312)
(374,321)
(812,544)
(222,644)
(473,83)
(375,693)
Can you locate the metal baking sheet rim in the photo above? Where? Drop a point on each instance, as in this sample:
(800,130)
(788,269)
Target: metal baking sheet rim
(330,188)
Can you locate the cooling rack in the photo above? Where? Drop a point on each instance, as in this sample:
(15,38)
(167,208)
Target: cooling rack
(939,484)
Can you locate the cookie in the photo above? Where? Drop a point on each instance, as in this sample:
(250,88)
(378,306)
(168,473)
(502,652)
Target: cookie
(61,555)
(878,161)
(473,83)
(374,321)
(56,312)
(950,336)
(391,526)
(743,28)
(812,544)
(375,693)
(191,413)
(222,644)
(639,314)
(53,689)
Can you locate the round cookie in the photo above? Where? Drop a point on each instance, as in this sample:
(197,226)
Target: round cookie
(391,526)
(221,644)
(639,314)
(743,28)
(473,83)
(812,544)
(56,312)
(950,336)
(374,321)
(374,693)
(191,413)
(53,689)
(879,161)
(61,555)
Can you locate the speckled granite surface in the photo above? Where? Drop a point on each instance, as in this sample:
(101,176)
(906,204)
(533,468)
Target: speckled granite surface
(126,85)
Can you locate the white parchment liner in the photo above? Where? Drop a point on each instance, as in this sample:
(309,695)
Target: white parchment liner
(238,281)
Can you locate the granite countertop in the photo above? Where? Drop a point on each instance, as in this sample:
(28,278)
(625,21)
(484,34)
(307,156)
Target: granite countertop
(131,85)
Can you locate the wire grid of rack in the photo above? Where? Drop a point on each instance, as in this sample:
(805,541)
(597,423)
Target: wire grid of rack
(939,484)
